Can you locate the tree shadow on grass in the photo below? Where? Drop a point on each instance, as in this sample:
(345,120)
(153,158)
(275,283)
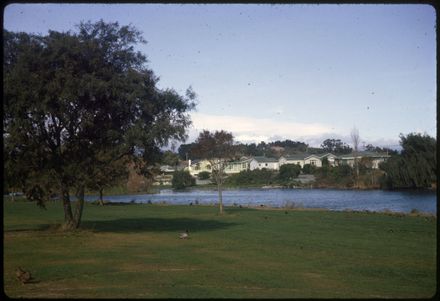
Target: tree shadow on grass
(132,225)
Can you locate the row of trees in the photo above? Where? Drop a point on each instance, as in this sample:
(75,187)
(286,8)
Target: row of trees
(78,107)
(286,147)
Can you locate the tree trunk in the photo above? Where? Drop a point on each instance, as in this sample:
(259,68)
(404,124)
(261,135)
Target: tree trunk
(220,199)
(68,216)
(79,207)
(101,201)
(219,187)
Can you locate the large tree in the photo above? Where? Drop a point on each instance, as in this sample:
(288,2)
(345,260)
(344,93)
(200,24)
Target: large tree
(70,96)
(218,148)
(335,146)
(416,166)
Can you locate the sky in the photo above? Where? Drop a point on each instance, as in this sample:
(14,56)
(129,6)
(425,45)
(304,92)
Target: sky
(273,72)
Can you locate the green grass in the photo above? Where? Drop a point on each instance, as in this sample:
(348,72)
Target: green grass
(133,251)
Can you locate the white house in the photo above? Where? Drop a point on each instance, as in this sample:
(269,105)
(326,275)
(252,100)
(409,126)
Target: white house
(293,159)
(237,166)
(302,159)
(374,158)
(197,166)
(264,162)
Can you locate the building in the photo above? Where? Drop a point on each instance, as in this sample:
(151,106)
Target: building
(372,158)
(264,162)
(303,159)
(197,166)
(238,166)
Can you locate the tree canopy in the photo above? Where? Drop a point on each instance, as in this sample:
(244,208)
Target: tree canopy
(74,101)
(416,166)
(218,148)
(335,146)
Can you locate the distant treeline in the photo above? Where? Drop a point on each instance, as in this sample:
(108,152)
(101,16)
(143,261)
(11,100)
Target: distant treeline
(287,147)
(414,167)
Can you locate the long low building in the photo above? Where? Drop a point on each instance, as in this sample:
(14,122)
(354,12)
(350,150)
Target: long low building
(260,162)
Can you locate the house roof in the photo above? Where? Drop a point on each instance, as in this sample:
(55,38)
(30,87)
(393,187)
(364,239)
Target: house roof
(242,160)
(365,154)
(327,155)
(296,157)
(262,159)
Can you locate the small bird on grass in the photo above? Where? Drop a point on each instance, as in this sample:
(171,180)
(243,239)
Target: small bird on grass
(23,276)
(184,235)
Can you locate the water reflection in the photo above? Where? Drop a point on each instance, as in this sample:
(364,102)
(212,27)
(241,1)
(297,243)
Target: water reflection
(332,199)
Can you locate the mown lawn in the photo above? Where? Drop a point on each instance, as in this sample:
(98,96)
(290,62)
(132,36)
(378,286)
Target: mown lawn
(133,251)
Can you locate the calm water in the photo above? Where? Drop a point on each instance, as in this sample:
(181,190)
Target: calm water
(373,200)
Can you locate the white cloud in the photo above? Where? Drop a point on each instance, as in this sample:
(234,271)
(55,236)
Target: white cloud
(255,130)
(248,129)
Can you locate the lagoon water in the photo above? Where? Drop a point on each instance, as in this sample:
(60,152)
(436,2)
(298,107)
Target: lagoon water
(332,199)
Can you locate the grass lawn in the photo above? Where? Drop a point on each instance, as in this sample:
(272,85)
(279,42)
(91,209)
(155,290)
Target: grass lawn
(133,251)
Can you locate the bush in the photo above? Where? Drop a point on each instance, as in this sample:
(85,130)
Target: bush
(309,169)
(182,179)
(289,172)
(204,175)
(252,177)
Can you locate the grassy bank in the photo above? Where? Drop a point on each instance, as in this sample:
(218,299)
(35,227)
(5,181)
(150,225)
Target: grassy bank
(134,251)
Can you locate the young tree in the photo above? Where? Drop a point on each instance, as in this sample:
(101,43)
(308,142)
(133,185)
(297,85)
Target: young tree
(218,148)
(69,96)
(355,139)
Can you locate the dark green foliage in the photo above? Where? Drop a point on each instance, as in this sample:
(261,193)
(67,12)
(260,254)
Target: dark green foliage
(185,153)
(75,102)
(335,176)
(170,158)
(298,146)
(309,169)
(182,179)
(252,177)
(288,172)
(377,149)
(265,149)
(204,175)
(335,146)
(415,167)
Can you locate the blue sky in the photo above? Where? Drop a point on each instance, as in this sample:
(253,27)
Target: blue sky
(269,72)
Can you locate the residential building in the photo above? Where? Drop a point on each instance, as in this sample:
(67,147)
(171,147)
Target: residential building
(197,166)
(261,162)
(366,156)
(304,158)
(238,166)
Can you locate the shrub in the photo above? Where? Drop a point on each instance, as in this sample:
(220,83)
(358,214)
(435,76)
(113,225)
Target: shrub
(252,177)
(204,175)
(289,172)
(182,179)
(309,169)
